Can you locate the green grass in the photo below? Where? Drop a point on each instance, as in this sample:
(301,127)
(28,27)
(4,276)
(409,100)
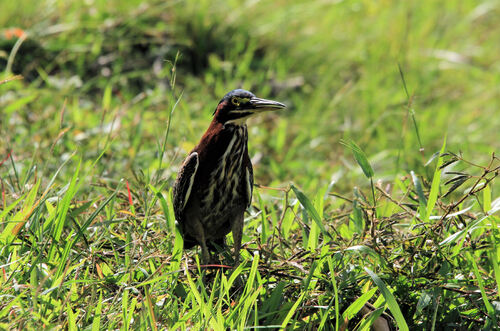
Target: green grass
(378,186)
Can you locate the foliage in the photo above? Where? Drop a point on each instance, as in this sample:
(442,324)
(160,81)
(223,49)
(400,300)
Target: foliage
(110,96)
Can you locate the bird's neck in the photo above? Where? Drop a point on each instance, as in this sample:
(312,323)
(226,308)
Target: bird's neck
(221,142)
(233,125)
(237,122)
(219,134)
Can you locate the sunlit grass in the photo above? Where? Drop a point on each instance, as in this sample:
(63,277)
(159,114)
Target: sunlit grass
(400,222)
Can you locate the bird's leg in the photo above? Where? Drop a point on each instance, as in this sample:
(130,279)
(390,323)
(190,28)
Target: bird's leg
(237,229)
(199,233)
(205,254)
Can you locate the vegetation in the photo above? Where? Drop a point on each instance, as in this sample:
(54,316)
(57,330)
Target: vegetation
(378,187)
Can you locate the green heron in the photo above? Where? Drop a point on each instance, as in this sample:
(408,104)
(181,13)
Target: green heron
(214,185)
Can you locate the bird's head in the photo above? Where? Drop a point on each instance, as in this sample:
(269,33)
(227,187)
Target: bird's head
(239,105)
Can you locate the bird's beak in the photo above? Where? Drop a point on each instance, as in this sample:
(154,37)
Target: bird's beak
(259,105)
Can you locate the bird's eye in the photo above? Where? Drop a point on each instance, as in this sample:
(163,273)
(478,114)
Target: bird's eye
(235,101)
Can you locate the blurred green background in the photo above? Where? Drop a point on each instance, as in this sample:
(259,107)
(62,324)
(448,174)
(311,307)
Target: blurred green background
(129,87)
(336,64)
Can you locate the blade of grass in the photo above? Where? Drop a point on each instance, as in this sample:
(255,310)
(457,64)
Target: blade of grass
(167,130)
(292,311)
(71,319)
(435,184)
(84,227)
(487,304)
(369,321)
(389,298)
(7,209)
(17,222)
(422,201)
(335,291)
(251,277)
(494,258)
(125,307)
(150,310)
(96,322)
(362,160)
(356,306)
(410,110)
(487,198)
(360,157)
(205,308)
(246,307)
(65,203)
(308,206)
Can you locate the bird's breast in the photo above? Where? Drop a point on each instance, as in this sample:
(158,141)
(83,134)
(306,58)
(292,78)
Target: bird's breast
(223,189)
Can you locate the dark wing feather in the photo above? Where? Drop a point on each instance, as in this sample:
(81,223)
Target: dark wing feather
(249,183)
(184,184)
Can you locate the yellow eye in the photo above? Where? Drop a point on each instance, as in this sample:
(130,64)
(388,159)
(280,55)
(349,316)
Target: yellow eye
(235,101)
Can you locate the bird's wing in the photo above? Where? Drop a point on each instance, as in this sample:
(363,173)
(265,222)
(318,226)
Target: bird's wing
(184,184)
(249,182)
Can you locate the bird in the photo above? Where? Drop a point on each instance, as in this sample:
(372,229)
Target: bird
(214,185)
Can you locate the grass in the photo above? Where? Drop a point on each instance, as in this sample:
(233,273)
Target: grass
(377,188)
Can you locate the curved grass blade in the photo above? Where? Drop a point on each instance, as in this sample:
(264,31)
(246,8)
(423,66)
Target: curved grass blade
(306,203)
(422,201)
(356,306)
(360,157)
(436,179)
(484,296)
(292,311)
(391,301)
